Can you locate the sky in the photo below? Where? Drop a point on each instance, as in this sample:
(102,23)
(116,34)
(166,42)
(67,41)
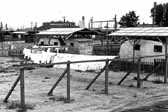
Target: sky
(21,13)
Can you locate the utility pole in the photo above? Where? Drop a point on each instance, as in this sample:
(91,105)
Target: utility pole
(107,40)
(31,25)
(91,23)
(115,22)
(6,26)
(64,18)
(1,25)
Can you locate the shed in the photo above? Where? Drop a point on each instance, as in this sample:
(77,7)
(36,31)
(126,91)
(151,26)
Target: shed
(81,42)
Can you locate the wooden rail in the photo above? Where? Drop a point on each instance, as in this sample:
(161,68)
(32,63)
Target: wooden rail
(57,82)
(67,71)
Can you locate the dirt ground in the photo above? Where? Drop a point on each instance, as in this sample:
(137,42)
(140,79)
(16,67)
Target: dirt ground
(121,98)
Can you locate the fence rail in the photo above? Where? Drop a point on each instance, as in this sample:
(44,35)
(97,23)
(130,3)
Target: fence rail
(139,67)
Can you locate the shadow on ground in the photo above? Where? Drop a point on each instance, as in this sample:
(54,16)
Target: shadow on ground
(161,106)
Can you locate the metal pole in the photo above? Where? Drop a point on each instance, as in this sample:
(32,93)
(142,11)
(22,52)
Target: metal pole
(106,76)
(68,82)
(22,92)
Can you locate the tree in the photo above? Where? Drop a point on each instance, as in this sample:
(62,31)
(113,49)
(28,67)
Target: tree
(165,15)
(160,14)
(129,20)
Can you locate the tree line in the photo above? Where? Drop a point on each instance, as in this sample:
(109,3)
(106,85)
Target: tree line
(158,12)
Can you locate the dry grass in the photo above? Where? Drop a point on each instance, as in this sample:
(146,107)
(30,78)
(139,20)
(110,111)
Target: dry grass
(120,98)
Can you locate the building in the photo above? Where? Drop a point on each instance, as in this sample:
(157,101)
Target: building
(55,37)
(62,33)
(81,42)
(57,24)
(76,40)
(13,42)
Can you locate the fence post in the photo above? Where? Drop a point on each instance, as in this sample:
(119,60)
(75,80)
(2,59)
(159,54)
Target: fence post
(68,81)
(138,73)
(106,76)
(166,62)
(22,92)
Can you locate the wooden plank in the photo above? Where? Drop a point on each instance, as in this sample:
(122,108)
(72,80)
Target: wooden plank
(12,88)
(57,82)
(90,84)
(127,74)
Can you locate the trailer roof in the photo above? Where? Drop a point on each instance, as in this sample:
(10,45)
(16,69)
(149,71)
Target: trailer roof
(142,32)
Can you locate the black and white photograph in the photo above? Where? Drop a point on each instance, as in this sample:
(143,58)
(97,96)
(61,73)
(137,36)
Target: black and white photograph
(84,56)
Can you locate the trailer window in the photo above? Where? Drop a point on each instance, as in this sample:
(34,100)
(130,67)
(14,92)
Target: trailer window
(42,43)
(137,47)
(157,48)
(55,43)
(72,44)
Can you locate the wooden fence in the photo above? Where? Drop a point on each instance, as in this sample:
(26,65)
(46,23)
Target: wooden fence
(15,53)
(7,50)
(24,65)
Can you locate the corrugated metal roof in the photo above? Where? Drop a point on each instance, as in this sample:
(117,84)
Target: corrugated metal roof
(59,31)
(20,32)
(149,31)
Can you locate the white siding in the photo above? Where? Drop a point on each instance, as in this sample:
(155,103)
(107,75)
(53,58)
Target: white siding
(146,49)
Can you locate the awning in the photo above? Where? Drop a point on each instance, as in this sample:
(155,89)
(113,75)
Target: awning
(142,32)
